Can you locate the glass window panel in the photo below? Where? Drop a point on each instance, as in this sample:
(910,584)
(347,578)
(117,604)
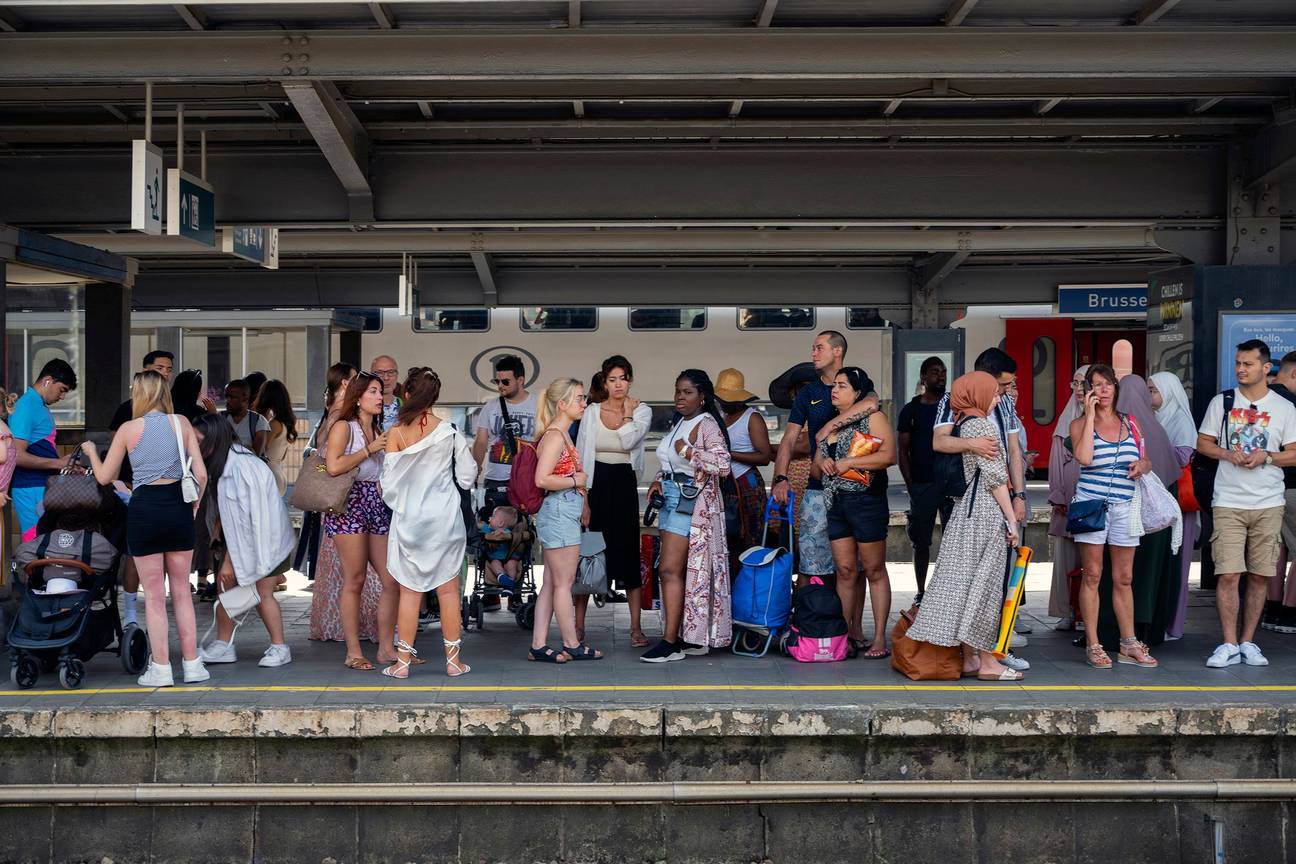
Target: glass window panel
(560,318)
(656,318)
(776,317)
(281,355)
(431,319)
(1044,381)
(46,322)
(865,318)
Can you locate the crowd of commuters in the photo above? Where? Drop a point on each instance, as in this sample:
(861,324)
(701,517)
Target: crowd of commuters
(207,492)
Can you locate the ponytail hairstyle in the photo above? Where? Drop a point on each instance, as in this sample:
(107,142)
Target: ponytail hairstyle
(710,405)
(858,380)
(422,388)
(559,390)
(338,374)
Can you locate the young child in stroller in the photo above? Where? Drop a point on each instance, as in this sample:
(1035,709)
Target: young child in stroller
(502,547)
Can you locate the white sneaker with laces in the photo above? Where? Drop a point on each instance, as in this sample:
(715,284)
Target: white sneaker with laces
(275,655)
(1023,628)
(194,671)
(1018,641)
(1225,655)
(217,651)
(1015,663)
(1251,655)
(156,675)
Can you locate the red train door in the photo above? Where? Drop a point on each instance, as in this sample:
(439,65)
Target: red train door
(1042,348)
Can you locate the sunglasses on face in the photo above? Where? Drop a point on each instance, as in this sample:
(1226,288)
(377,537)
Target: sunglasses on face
(499,381)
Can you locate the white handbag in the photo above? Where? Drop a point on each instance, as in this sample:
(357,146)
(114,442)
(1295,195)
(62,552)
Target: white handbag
(188,483)
(1155,509)
(591,572)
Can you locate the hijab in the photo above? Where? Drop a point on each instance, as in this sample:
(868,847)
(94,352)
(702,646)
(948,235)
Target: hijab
(1135,401)
(973,394)
(1175,415)
(1071,410)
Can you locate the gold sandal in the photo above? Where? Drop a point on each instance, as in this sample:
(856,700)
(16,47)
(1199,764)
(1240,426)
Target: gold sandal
(360,664)
(1135,653)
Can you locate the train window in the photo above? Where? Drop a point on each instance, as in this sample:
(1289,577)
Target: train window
(776,317)
(536,318)
(370,315)
(436,319)
(1044,381)
(685,318)
(865,318)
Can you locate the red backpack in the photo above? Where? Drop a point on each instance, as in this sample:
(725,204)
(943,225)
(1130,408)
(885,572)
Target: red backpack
(523,493)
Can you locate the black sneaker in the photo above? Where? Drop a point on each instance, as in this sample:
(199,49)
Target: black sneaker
(691,650)
(1285,622)
(662,652)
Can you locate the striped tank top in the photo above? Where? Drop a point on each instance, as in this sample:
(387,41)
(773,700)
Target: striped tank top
(1107,477)
(156,455)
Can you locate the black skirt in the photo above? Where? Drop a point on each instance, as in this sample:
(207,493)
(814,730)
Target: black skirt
(614,510)
(159,521)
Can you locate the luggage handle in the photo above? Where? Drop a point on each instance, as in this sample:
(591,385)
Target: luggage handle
(784,512)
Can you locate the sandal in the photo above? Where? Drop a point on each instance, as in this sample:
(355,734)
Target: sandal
(1135,653)
(638,639)
(545,654)
(582,652)
(1005,675)
(859,644)
(360,664)
(453,667)
(1096,657)
(876,653)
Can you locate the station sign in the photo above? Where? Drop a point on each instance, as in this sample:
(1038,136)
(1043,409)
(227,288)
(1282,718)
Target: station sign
(258,244)
(191,208)
(1116,301)
(146,187)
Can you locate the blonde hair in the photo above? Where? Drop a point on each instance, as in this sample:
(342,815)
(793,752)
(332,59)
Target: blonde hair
(149,392)
(559,390)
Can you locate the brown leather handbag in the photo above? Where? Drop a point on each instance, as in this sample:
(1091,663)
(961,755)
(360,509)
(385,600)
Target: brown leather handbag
(922,661)
(73,489)
(317,491)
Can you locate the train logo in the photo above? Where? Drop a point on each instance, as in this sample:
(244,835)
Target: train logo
(482,367)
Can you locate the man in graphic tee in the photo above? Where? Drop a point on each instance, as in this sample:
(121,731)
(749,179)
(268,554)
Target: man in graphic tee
(1253,442)
(32,425)
(495,439)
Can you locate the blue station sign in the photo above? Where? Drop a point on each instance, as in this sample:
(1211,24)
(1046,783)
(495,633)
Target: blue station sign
(1121,301)
(191,208)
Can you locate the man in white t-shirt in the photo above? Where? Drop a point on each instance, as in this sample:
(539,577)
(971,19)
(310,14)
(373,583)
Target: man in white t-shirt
(1253,443)
(250,428)
(494,442)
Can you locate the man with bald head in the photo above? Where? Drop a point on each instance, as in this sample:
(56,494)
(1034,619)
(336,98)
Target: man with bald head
(388,372)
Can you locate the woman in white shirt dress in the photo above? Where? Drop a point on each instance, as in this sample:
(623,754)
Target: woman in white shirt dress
(425,547)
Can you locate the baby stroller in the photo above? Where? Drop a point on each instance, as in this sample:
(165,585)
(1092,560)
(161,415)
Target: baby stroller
(63,630)
(481,584)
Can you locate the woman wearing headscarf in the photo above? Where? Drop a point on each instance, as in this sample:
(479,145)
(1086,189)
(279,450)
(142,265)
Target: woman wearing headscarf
(1064,473)
(964,599)
(1156,566)
(1175,416)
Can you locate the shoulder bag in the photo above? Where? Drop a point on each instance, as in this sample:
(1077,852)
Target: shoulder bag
(72,489)
(472,531)
(317,491)
(1086,517)
(591,572)
(188,483)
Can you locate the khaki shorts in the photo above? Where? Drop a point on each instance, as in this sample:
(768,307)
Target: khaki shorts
(1247,541)
(1289,524)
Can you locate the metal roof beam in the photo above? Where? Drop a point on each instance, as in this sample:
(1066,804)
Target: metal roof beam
(958,12)
(1201,106)
(935,271)
(1047,105)
(574,14)
(734,57)
(1273,155)
(383,15)
(1152,11)
(193,17)
(11,23)
(485,268)
(766,16)
(341,139)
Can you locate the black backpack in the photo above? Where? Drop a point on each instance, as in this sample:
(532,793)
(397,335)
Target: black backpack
(948,468)
(1204,467)
(817,611)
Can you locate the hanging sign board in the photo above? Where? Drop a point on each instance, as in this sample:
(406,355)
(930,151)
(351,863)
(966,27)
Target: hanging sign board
(146,187)
(1119,301)
(191,208)
(260,245)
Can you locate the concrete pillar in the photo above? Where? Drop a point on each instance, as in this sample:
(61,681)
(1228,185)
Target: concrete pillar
(350,348)
(107,367)
(171,339)
(318,338)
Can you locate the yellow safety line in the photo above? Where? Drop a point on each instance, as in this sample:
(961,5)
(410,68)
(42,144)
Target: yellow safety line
(673,688)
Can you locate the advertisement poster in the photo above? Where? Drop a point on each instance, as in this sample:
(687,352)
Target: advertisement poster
(1169,322)
(912,378)
(1275,329)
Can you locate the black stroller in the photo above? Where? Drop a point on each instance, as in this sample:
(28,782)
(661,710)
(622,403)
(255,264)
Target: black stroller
(521,596)
(62,631)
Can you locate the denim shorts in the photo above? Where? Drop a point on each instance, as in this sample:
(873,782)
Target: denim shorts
(558,522)
(668,519)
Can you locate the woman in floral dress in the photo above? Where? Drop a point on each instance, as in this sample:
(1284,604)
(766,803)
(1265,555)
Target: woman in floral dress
(964,599)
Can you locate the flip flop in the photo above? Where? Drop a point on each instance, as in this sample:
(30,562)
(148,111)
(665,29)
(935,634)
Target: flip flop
(359,664)
(877,653)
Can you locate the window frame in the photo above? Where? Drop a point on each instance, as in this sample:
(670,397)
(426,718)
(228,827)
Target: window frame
(524,328)
(846,316)
(415,328)
(706,320)
(814,319)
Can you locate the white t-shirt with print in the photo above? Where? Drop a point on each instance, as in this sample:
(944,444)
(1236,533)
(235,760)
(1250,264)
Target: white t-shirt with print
(522,417)
(1268,424)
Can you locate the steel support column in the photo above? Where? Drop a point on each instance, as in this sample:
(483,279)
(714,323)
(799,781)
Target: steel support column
(1253,228)
(926,280)
(319,344)
(107,369)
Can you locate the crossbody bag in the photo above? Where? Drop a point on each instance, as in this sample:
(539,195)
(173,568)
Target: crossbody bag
(1090,515)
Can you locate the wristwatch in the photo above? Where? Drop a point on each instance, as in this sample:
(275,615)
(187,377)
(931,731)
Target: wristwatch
(1268,458)
(780,478)
(1021,495)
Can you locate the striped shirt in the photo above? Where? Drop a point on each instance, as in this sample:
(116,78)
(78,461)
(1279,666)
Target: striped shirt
(156,455)
(1107,478)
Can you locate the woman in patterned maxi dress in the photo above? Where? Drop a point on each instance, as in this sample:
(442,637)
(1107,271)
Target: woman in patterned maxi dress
(964,599)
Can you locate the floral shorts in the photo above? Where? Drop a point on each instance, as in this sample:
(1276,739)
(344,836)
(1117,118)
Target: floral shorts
(365,514)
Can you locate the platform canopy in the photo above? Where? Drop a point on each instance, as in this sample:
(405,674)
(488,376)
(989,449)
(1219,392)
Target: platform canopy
(620,151)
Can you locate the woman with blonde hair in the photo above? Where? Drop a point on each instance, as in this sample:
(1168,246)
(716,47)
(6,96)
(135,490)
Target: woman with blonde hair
(558,524)
(160,525)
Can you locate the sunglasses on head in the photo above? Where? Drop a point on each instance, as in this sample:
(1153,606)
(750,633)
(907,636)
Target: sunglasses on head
(371,376)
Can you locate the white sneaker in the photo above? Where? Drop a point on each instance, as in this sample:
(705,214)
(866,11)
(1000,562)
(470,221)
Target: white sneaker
(1023,628)
(1226,655)
(275,655)
(1251,655)
(156,675)
(194,671)
(1013,662)
(1018,641)
(217,651)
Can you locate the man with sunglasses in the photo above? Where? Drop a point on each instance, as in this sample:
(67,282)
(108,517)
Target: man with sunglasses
(384,368)
(500,424)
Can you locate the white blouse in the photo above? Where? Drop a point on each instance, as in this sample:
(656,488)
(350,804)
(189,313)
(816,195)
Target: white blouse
(631,434)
